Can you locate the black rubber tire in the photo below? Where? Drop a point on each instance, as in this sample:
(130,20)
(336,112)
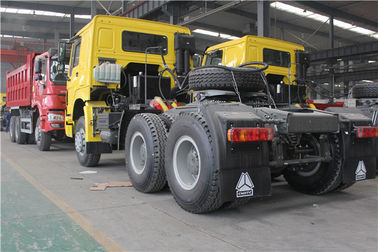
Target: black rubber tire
(203,195)
(167,119)
(31,139)
(365,90)
(151,129)
(85,159)
(326,179)
(12,129)
(19,136)
(221,79)
(44,139)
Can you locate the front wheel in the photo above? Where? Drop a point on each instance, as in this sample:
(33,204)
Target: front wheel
(43,139)
(191,167)
(85,159)
(145,146)
(12,129)
(20,137)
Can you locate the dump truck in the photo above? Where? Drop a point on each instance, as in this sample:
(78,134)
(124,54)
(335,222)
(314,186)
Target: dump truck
(219,146)
(36,95)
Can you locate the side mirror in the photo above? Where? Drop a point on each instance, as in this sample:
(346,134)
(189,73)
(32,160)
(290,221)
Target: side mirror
(62,51)
(197,60)
(38,66)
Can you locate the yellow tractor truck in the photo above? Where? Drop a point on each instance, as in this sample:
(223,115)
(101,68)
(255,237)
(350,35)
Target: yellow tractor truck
(221,148)
(118,60)
(287,62)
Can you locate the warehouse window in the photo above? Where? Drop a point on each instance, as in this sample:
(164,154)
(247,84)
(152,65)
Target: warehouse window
(214,58)
(276,58)
(138,42)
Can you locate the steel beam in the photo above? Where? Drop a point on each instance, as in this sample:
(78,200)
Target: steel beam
(44,7)
(72,23)
(61,24)
(211,12)
(144,8)
(93,9)
(347,76)
(281,24)
(345,52)
(13,56)
(48,35)
(263,18)
(331,62)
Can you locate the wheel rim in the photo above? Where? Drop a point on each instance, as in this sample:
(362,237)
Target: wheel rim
(186,162)
(11,128)
(138,153)
(313,168)
(80,141)
(37,133)
(16,129)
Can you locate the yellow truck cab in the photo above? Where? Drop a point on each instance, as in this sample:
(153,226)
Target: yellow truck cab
(110,58)
(3,99)
(287,63)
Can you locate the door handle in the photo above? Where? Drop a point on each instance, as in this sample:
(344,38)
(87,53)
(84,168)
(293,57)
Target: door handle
(77,74)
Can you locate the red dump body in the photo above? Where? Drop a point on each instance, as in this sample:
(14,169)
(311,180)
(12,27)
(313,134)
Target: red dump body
(20,83)
(42,95)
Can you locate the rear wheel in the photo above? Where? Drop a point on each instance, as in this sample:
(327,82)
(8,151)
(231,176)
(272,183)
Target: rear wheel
(321,177)
(85,159)
(12,129)
(43,139)
(19,136)
(190,164)
(145,146)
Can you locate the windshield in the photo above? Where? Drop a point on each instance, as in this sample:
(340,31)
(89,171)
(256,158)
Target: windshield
(58,72)
(214,58)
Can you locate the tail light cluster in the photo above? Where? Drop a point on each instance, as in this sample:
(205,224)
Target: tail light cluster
(367,132)
(239,135)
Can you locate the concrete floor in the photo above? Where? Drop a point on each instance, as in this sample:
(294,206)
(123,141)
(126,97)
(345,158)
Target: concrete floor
(44,209)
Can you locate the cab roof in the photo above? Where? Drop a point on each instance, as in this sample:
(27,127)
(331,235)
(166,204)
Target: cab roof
(258,40)
(133,22)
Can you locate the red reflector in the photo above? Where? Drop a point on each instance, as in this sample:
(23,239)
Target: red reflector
(250,134)
(366,132)
(156,105)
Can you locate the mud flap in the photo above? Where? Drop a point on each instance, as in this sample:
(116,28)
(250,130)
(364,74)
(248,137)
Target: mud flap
(359,162)
(254,182)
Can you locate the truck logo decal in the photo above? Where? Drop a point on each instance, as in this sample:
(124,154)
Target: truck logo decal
(361,171)
(244,187)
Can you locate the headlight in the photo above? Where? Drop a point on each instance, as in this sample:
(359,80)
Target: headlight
(51,117)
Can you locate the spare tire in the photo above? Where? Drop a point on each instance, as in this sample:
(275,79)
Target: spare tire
(365,90)
(221,78)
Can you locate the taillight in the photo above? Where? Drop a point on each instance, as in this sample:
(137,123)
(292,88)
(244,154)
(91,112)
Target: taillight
(239,135)
(366,132)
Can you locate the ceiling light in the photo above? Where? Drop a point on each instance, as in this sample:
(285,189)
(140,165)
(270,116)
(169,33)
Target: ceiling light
(368,81)
(323,18)
(371,61)
(215,34)
(83,16)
